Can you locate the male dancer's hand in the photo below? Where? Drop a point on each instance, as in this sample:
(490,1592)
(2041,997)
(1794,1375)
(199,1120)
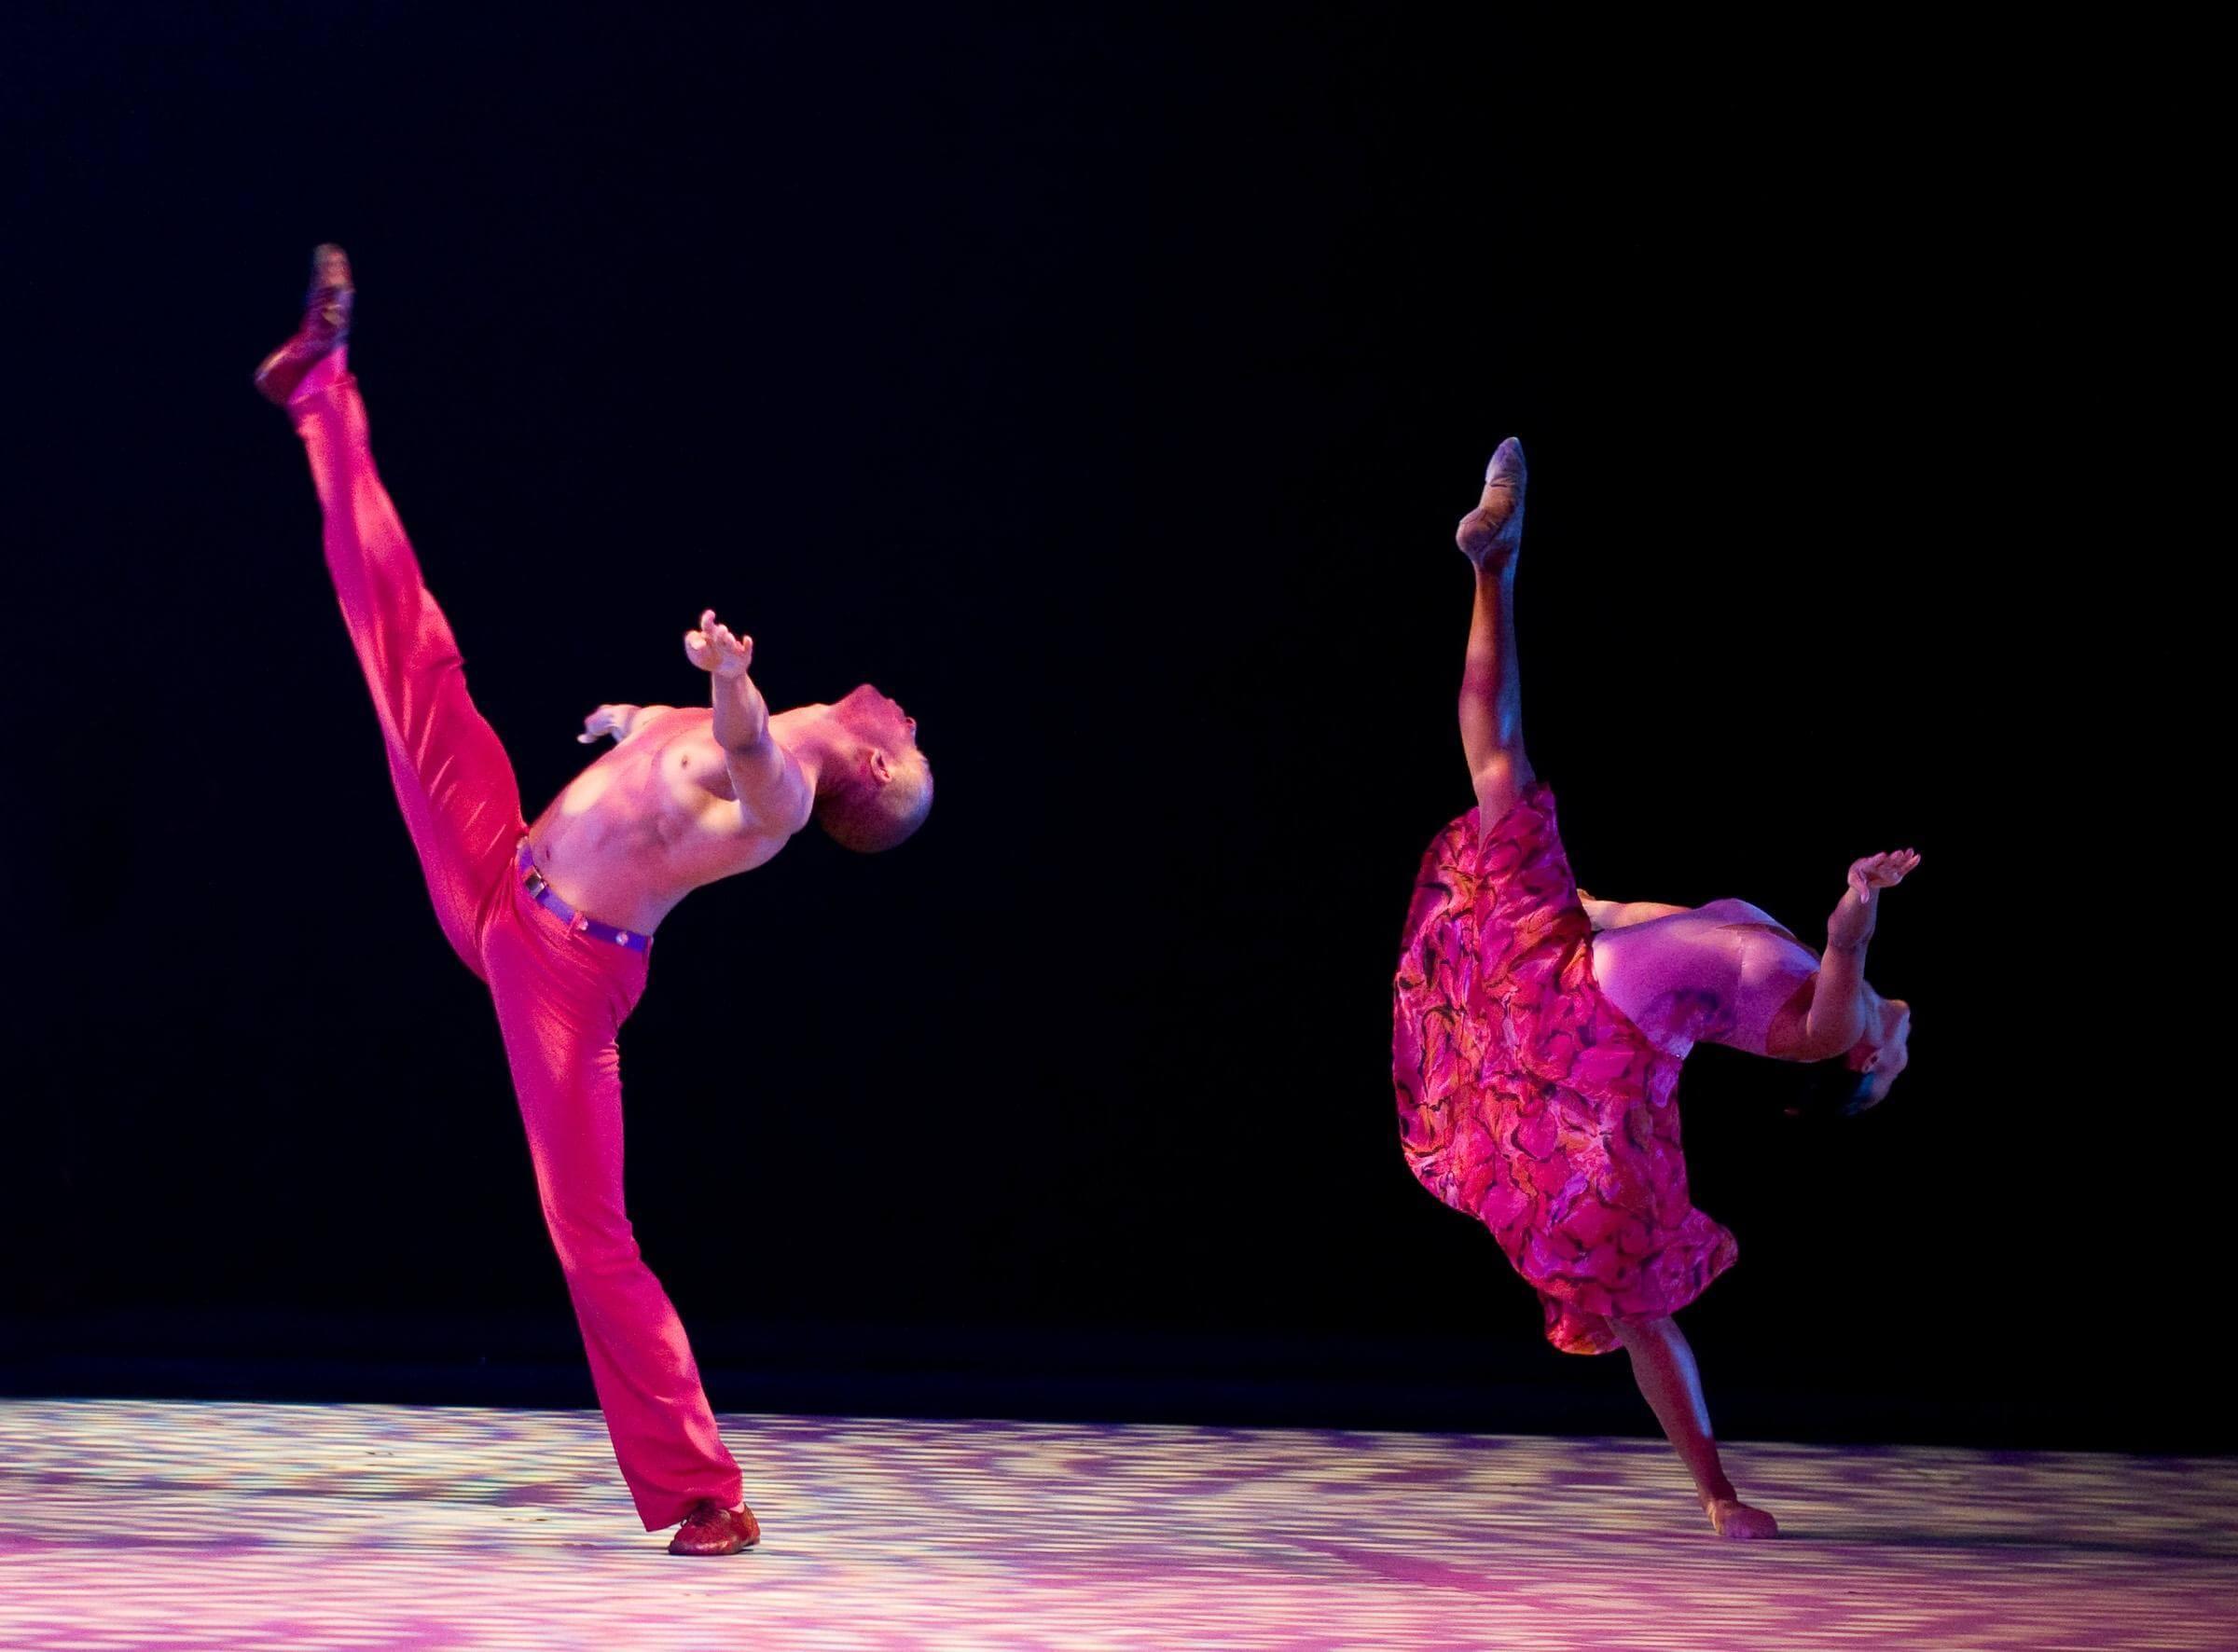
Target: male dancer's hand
(608,719)
(714,648)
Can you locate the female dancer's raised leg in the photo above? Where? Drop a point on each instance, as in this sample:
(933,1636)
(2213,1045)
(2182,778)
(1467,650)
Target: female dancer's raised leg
(1491,717)
(1491,688)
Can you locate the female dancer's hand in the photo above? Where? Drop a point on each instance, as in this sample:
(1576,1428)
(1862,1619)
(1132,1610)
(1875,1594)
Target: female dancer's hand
(608,719)
(1851,926)
(1882,872)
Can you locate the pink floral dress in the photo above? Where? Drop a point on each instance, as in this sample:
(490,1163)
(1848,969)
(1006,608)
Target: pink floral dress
(1526,1097)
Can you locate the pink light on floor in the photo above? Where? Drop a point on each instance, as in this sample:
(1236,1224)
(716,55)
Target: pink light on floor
(258,1528)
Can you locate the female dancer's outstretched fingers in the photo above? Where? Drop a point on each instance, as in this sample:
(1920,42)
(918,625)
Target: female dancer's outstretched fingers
(1882,872)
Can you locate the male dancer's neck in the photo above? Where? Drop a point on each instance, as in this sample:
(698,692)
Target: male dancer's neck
(816,740)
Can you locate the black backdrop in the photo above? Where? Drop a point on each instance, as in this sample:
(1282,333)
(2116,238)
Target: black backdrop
(1106,386)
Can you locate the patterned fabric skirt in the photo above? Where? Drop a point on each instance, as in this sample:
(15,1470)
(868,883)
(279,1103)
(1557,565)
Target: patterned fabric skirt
(1529,1101)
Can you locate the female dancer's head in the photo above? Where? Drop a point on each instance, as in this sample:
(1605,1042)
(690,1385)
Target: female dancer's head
(1881,1053)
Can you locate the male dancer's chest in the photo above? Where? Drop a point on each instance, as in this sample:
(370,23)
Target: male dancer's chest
(649,821)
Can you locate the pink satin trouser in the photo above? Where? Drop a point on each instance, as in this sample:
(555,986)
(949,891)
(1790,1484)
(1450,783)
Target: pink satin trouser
(561,996)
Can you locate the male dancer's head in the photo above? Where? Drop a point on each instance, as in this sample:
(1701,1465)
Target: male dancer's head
(879,788)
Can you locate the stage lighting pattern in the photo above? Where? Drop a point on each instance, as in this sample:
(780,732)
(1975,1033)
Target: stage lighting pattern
(259,1528)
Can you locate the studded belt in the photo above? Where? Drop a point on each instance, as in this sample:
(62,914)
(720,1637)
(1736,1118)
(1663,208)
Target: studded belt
(546,897)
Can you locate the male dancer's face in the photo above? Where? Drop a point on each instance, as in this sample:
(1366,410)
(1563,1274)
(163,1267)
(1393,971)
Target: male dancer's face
(877,719)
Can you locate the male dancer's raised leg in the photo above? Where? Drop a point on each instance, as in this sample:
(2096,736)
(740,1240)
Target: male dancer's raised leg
(559,1001)
(452,778)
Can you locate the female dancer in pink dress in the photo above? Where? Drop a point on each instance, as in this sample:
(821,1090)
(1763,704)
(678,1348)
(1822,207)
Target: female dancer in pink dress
(1539,1033)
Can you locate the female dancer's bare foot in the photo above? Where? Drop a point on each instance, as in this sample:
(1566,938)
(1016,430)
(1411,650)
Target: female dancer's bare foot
(1734,1518)
(1490,534)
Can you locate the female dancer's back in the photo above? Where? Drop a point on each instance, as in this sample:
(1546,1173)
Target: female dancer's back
(1724,973)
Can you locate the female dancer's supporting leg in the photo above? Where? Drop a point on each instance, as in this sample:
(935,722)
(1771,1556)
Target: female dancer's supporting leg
(1664,1367)
(1491,717)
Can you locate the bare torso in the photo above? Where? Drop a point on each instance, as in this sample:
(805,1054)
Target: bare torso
(650,822)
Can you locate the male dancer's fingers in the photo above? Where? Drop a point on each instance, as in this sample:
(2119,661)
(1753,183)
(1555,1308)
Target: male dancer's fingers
(713,646)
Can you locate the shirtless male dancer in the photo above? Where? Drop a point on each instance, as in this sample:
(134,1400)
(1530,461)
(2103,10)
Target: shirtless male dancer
(557,918)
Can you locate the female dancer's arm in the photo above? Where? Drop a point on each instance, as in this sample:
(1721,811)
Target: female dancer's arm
(1491,705)
(1836,1018)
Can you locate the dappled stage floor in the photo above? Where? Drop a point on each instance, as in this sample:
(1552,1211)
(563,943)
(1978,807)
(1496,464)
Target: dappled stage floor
(250,1527)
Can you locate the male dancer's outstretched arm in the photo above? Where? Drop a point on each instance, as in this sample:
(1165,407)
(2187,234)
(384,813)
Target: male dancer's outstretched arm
(775,792)
(620,720)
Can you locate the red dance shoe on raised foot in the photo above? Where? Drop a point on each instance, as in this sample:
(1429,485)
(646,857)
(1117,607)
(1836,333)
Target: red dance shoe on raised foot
(712,1529)
(326,325)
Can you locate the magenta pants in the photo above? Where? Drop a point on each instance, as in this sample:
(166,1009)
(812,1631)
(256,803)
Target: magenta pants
(561,996)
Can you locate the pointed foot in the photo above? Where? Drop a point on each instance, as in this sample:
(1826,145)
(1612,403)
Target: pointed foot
(1491,534)
(325,326)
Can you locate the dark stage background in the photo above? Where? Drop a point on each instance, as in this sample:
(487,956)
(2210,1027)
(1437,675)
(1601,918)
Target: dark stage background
(1106,386)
